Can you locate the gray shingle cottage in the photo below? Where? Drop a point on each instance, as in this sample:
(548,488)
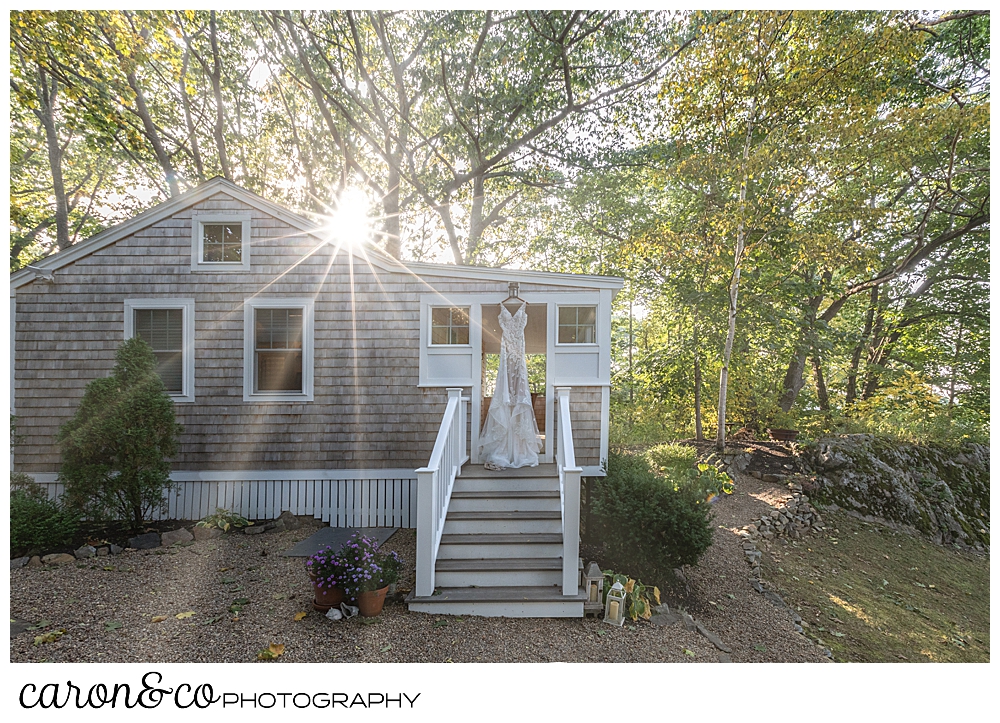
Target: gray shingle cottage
(331,381)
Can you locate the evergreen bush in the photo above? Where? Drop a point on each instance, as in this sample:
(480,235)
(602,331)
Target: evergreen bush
(37,524)
(648,524)
(116,446)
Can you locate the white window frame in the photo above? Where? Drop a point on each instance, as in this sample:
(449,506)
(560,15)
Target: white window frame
(198,222)
(308,307)
(187,319)
(578,344)
(430,326)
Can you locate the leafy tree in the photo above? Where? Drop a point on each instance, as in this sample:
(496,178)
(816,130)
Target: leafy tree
(116,447)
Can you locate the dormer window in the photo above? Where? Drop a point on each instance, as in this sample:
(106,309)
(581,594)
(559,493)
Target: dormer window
(220,242)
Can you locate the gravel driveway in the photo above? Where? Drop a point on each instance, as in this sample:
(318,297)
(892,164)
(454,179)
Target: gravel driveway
(106,609)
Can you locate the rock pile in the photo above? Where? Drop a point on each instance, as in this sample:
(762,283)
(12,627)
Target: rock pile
(795,518)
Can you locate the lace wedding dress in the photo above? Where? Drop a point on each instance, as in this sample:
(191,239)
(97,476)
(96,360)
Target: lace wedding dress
(510,435)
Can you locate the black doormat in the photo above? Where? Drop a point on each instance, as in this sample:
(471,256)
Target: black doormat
(335,537)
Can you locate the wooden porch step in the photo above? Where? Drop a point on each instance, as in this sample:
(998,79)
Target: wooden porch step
(529,601)
(477,471)
(548,593)
(516,538)
(505,494)
(505,515)
(500,564)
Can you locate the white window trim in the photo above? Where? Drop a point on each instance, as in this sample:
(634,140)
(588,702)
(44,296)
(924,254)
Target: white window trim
(582,345)
(307,305)
(198,220)
(430,326)
(187,307)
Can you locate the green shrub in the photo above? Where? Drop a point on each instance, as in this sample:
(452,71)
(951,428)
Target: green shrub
(115,448)
(672,456)
(649,524)
(223,519)
(37,524)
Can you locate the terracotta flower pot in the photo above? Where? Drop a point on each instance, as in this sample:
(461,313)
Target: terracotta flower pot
(370,602)
(326,597)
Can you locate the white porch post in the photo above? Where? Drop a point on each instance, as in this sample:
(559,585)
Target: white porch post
(570,474)
(426,534)
(456,393)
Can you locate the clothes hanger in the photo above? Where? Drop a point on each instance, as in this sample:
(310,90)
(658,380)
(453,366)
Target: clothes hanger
(513,296)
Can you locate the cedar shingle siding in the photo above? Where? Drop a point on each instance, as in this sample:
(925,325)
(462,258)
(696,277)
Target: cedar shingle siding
(367,410)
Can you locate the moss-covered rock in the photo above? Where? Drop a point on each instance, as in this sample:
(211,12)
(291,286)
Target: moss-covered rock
(942,490)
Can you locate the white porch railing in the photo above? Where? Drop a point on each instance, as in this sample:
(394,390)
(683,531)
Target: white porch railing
(434,485)
(569,494)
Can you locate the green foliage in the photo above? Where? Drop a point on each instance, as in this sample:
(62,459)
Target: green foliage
(37,524)
(639,599)
(676,458)
(649,524)
(115,448)
(223,519)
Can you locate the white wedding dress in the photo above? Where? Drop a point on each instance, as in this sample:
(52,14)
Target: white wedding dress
(510,436)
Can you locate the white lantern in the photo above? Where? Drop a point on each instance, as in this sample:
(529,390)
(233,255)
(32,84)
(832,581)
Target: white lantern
(614,607)
(593,588)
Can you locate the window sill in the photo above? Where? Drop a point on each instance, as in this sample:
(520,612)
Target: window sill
(277,398)
(217,267)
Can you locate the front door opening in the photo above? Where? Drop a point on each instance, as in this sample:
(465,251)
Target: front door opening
(535,345)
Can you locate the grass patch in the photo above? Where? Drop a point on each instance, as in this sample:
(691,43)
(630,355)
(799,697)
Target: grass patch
(872,594)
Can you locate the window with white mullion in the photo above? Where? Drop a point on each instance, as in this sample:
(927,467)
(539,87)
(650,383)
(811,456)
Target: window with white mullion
(167,325)
(163,330)
(278,350)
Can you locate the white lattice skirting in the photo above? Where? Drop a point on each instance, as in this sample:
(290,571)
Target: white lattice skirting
(365,500)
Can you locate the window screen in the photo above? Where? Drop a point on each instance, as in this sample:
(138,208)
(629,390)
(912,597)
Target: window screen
(222,242)
(450,325)
(577,324)
(278,350)
(163,329)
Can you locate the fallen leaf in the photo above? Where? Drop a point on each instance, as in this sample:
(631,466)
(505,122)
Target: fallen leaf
(439,624)
(184,616)
(279,596)
(689,652)
(835,634)
(448,660)
(112,625)
(730,596)
(109,568)
(272,651)
(711,602)
(385,648)
(50,637)
(760,648)
(299,616)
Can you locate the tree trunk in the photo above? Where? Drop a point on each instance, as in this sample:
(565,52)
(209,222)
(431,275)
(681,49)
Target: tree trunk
(188,120)
(390,212)
(220,108)
(699,433)
(46,114)
(852,375)
(954,366)
(821,391)
(153,135)
(794,381)
(734,285)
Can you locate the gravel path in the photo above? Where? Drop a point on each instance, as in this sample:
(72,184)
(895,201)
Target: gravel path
(107,613)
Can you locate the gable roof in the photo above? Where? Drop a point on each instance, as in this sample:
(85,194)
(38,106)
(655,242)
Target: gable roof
(43,268)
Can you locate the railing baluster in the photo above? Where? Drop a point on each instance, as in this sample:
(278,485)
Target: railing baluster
(434,484)
(569,493)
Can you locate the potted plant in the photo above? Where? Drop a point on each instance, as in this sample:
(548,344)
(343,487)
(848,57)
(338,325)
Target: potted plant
(327,570)
(368,574)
